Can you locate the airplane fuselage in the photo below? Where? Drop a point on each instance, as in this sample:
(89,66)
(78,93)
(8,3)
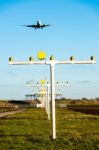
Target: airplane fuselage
(39,24)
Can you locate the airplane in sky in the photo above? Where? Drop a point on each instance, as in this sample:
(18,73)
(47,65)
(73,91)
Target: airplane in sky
(38,25)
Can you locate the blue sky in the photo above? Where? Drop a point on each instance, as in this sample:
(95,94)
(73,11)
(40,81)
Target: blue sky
(74,31)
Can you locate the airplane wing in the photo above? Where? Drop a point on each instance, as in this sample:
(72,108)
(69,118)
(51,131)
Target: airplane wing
(44,25)
(32,26)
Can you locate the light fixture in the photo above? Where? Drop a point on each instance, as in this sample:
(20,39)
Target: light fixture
(41,55)
(72,58)
(11,59)
(31,59)
(43,81)
(92,58)
(52,57)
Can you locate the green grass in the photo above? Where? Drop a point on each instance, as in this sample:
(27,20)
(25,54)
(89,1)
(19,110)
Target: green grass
(31,130)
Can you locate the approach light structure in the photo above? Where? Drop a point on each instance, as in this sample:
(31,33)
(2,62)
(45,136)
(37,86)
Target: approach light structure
(44,83)
(52,62)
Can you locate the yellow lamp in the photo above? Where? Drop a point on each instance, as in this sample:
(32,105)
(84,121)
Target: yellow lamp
(41,55)
(43,81)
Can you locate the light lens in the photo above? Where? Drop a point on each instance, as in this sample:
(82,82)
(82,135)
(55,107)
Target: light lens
(92,58)
(31,59)
(11,59)
(52,57)
(72,58)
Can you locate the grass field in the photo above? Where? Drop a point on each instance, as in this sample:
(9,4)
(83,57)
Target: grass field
(30,130)
(6,109)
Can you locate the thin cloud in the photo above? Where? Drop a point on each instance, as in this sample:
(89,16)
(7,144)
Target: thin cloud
(84,81)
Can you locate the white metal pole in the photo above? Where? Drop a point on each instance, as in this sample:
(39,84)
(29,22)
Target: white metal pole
(48,101)
(53,100)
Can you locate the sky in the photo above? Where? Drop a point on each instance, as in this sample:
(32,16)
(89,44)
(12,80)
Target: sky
(74,31)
